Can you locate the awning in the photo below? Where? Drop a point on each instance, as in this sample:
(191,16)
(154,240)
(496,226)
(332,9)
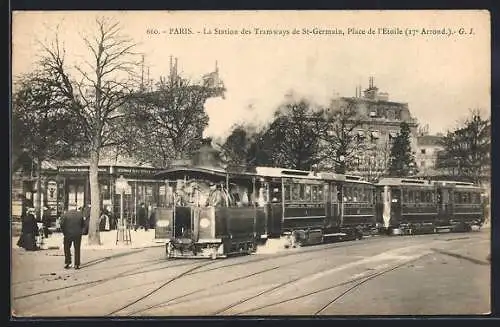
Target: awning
(393,134)
(361,133)
(375,134)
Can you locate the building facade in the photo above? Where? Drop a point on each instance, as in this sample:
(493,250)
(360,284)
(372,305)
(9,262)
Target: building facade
(428,149)
(377,124)
(65,185)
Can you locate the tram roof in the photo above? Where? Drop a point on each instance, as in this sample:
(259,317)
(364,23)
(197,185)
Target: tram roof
(331,176)
(204,170)
(395,181)
(457,184)
(283,172)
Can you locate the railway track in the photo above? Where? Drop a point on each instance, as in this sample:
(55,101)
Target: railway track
(175,300)
(207,267)
(156,289)
(358,280)
(198,270)
(253,274)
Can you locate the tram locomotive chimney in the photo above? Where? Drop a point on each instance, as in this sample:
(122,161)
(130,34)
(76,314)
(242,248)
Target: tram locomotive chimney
(207,156)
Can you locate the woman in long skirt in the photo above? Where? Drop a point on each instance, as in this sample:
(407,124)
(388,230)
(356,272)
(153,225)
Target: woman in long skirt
(29,231)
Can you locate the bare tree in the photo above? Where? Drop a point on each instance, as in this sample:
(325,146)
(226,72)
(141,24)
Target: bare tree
(97,90)
(468,148)
(170,120)
(341,142)
(42,126)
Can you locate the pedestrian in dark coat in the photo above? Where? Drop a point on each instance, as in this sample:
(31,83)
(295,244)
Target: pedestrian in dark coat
(152,217)
(105,220)
(86,218)
(142,217)
(46,222)
(29,231)
(72,225)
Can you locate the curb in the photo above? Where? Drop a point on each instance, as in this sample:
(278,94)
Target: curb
(106,248)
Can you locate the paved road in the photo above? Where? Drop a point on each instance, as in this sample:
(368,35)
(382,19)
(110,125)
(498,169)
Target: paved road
(427,274)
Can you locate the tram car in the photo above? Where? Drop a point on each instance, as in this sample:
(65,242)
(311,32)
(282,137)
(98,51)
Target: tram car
(410,206)
(406,206)
(355,206)
(305,208)
(207,213)
(459,205)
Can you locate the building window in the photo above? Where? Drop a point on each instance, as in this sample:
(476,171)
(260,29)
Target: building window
(422,151)
(397,115)
(390,114)
(422,164)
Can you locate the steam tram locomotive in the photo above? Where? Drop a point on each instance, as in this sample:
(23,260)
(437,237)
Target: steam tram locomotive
(208,213)
(408,206)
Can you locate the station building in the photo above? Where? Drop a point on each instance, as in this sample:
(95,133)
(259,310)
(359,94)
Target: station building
(65,185)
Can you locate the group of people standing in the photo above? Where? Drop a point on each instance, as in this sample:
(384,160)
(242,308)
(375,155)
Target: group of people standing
(73,224)
(145,217)
(32,229)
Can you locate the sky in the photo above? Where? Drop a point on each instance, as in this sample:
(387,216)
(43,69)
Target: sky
(441,77)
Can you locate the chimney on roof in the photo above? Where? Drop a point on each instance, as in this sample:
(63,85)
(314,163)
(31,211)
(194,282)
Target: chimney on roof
(372,90)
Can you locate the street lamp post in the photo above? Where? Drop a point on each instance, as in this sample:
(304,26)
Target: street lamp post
(341,163)
(123,231)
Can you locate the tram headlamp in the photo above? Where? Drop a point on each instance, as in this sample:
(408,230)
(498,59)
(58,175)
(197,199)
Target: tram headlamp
(163,223)
(204,222)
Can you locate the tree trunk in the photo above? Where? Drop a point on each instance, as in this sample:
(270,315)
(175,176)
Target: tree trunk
(94,237)
(39,192)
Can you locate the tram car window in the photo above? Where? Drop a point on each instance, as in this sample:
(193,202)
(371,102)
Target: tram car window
(276,196)
(314,191)
(307,193)
(288,191)
(295,192)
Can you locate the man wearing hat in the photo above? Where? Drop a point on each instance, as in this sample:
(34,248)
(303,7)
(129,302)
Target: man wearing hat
(72,226)
(46,221)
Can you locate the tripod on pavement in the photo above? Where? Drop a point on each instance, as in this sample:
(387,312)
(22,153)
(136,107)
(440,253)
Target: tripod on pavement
(123,232)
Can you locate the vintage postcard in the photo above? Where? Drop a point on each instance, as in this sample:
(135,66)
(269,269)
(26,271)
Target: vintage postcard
(250,163)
